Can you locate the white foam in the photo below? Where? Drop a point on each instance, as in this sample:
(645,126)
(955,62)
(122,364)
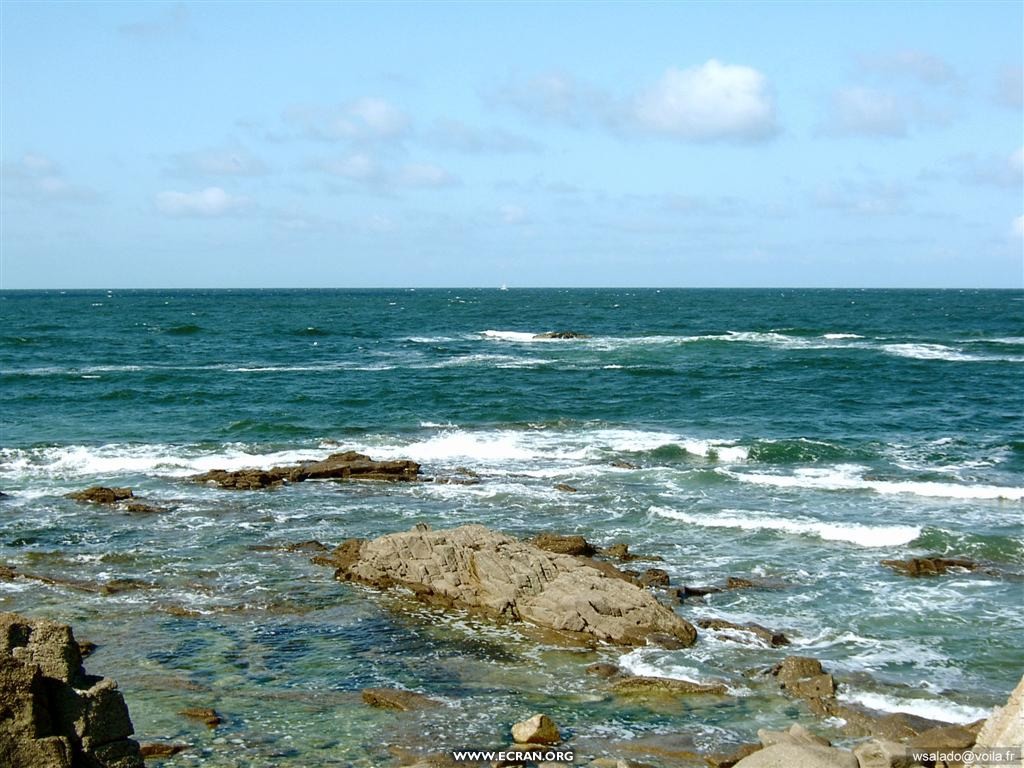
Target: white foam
(943,352)
(838,336)
(646,662)
(520,336)
(852,533)
(933,709)
(115,459)
(848,477)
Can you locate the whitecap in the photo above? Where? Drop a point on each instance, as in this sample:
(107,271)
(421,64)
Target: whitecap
(933,709)
(852,533)
(848,477)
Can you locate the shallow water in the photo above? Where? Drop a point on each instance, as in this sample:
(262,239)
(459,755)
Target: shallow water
(793,436)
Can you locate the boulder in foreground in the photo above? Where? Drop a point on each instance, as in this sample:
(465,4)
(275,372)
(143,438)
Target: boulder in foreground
(539,729)
(52,714)
(347,465)
(474,568)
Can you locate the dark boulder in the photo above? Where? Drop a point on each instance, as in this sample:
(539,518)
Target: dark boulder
(52,714)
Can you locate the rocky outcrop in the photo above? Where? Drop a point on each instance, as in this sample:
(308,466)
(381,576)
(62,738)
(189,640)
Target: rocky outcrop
(664,686)
(563,545)
(1005,727)
(804,677)
(474,568)
(120,498)
(52,714)
(561,335)
(930,566)
(348,465)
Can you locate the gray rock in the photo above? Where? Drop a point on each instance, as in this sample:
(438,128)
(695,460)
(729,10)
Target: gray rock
(474,568)
(882,753)
(799,756)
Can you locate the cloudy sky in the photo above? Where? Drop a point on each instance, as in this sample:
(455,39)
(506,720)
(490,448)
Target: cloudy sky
(441,144)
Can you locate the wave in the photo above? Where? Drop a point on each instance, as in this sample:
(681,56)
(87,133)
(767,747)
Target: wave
(188,329)
(851,533)
(75,461)
(519,336)
(933,709)
(839,336)
(849,477)
(311,330)
(943,352)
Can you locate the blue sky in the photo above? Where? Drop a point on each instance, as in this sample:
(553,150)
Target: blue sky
(575,144)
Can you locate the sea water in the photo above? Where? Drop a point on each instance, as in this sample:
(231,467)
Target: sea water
(795,437)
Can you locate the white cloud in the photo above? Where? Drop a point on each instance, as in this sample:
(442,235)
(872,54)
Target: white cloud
(366,119)
(1010,88)
(223,161)
(1018,226)
(208,203)
(363,168)
(554,96)
(712,101)
(39,178)
(425,175)
(358,166)
(513,214)
(867,111)
(994,170)
(456,136)
(920,65)
(868,198)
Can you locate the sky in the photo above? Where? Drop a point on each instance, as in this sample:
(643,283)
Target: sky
(272,144)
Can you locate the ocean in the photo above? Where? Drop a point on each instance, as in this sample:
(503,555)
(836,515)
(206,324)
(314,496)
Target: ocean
(796,437)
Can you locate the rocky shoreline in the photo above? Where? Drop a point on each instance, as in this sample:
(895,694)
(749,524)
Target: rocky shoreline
(562,586)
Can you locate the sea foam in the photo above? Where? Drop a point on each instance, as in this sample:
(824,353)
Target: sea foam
(877,536)
(849,477)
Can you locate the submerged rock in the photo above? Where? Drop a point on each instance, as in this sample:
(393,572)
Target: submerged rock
(205,715)
(161,750)
(565,488)
(474,568)
(52,714)
(930,566)
(398,699)
(99,494)
(773,639)
(348,465)
(120,498)
(664,686)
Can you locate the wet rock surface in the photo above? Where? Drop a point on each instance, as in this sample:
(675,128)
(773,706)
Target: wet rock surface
(930,566)
(474,568)
(52,714)
(397,699)
(347,465)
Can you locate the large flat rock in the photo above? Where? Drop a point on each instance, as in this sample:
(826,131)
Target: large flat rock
(475,568)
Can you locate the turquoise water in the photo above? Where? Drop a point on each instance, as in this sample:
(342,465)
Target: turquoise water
(793,436)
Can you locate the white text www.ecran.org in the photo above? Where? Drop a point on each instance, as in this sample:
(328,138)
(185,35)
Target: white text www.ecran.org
(532,755)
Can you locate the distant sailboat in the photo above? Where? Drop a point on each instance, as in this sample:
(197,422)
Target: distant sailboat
(503,287)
